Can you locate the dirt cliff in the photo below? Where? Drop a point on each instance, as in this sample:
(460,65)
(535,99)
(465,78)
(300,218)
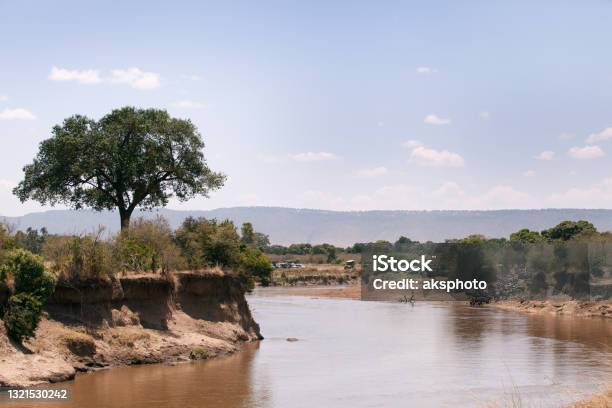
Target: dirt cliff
(97,323)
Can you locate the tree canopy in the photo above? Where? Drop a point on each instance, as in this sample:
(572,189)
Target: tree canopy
(130,158)
(568,230)
(527,236)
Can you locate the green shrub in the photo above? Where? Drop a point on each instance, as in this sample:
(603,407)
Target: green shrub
(56,250)
(257,265)
(22,316)
(90,257)
(135,256)
(29,276)
(32,286)
(31,240)
(148,245)
(209,242)
(198,353)
(3,273)
(81,257)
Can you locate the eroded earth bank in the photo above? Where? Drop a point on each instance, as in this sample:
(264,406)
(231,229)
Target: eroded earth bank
(137,319)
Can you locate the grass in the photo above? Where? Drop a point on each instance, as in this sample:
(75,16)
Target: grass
(198,353)
(318,274)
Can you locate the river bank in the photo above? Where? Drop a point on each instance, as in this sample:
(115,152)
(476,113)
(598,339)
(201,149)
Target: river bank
(602,400)
(331,291)
(141,319)
(315,275)
(586,309)
(602,308)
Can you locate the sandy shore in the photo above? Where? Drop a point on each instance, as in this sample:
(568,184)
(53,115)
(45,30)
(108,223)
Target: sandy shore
(559,307)
(341,292)
(603,400)
(59,350)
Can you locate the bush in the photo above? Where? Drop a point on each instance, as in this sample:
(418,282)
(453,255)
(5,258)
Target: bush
(3,273)
(90,257)
(148,245)
(257,265)
(28,271)
(198,353)
(135,256)
(56,250)
(22,316)
(87,256)
(33,286)
(31,239)
(209,243)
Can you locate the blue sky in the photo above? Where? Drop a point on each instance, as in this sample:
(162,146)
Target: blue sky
(334,105)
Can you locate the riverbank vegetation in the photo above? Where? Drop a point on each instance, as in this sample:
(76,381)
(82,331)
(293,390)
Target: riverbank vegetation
(31,262)
(148,246)
(570,259)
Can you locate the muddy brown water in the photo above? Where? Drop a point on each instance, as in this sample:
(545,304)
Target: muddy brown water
(368,354)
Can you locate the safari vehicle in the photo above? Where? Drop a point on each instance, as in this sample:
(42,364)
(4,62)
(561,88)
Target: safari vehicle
(350,264)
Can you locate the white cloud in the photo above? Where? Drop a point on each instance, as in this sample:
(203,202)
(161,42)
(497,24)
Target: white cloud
(16,114)
(3,98)
(411,144)
(426,70)
(605,134)
(188,104)
(529,173)
(484,115)
(372,172)
(136,78)
(436,120)
(424,156)
(586,152)
(546,155)
(313,156)
(566,136)
(85,76)
(449,189)
(598,195)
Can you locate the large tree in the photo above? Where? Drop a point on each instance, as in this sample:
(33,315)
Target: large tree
(130,158)
(568,230)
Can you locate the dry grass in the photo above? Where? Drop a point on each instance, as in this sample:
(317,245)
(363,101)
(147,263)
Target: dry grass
(128,337)
(603,400)
(314,259)
(79,343)
(343,292)
(314,274)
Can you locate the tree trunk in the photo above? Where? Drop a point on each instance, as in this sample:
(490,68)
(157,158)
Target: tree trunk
(125,219)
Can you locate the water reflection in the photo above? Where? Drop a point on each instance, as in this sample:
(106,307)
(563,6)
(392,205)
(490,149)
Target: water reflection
(353,354)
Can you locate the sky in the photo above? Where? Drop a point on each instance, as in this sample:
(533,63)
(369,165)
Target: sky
(344,105)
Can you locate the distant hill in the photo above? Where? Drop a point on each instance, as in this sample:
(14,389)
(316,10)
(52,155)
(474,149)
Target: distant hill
(290,225)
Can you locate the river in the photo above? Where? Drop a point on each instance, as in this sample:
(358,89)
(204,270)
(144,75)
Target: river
(350,353)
